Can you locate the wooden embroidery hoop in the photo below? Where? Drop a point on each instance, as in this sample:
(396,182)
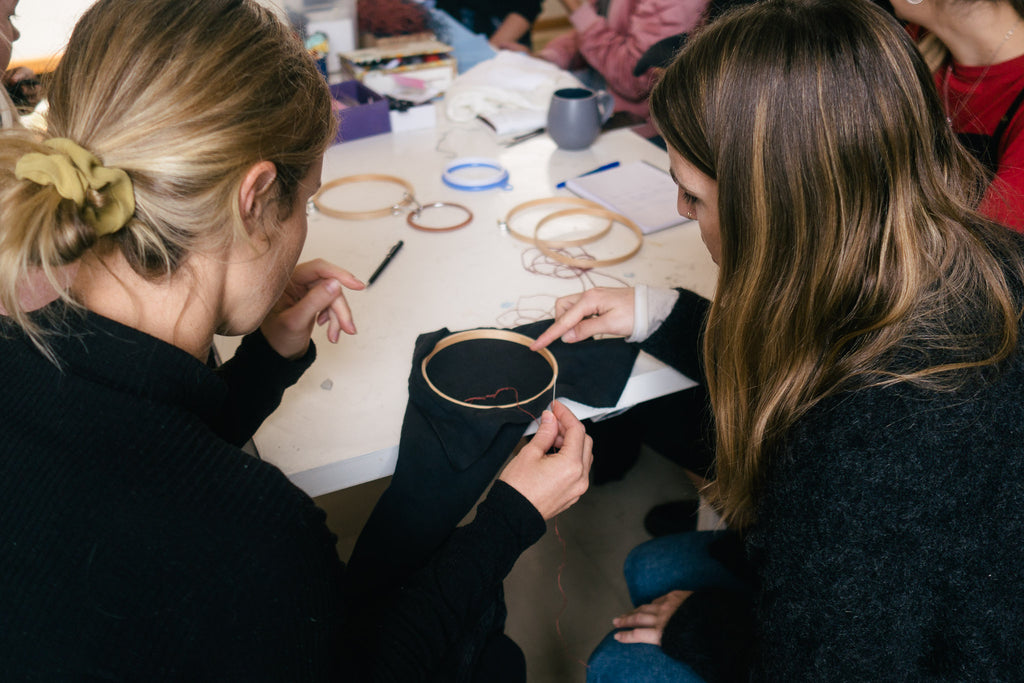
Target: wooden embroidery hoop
(548,248)
(393,210)
(506,223)
(499,335)
(408,199)
(418,211)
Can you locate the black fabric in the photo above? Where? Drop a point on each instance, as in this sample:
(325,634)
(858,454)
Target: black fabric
(445,618)
(660,54)
(715,636)
(448,454)
(501,662)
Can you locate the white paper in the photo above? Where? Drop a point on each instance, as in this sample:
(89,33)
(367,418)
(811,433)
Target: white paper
(639,191)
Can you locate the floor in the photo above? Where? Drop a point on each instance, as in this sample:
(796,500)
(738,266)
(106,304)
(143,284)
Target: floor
(583,552)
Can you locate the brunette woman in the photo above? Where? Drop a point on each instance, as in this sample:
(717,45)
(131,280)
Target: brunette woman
(864,363)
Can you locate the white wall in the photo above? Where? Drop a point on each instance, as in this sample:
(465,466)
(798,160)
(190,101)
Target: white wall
(45,25)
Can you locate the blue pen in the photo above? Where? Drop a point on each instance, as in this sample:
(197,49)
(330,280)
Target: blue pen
(560,185)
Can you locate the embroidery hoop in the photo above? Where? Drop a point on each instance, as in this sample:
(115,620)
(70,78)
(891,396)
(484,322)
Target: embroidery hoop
(489,334)
(497,179)
(408,198)
(548,247)
(418,211)
(506,223)
(393,210)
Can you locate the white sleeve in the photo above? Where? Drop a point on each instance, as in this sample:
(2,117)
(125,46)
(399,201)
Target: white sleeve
(650,308)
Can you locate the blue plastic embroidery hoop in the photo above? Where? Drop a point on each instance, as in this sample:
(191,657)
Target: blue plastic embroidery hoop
(490,181)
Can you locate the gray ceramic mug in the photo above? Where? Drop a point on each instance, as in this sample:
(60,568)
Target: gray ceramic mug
(576,115)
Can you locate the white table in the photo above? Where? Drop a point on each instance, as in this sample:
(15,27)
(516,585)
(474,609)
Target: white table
(340,425)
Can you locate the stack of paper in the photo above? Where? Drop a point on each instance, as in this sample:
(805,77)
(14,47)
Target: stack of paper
(639,191)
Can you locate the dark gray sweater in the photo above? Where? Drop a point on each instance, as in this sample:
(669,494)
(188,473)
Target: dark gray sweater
(888,542)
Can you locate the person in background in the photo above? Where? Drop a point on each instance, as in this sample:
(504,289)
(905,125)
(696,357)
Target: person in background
(976,49)
(608,38)
(506,23)
(137,540)
(863,354)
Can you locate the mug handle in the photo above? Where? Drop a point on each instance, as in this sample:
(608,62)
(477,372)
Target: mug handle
(605,105)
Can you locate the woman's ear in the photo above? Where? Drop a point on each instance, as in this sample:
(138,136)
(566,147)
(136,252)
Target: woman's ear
(254,193)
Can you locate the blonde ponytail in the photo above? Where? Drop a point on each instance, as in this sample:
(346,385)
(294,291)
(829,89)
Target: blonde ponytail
(41,233)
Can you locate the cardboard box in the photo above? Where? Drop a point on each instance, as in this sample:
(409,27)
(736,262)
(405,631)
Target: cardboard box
(365,112)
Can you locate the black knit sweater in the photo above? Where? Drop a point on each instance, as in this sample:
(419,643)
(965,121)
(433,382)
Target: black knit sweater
(887,545)
(137,543)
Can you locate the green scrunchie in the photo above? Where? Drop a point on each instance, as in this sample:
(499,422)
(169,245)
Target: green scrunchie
(72,171)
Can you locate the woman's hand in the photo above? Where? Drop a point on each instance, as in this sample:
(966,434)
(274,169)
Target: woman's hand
(313,296)
(552,482)
(506,36)
(602,310)
(647,622)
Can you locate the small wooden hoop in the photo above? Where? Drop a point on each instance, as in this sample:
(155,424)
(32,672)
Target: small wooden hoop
(499,335)
(437,205)
(548,248)
(574,201)
(392,210)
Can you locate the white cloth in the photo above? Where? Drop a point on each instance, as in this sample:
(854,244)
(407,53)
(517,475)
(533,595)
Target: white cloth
(513,89)
(651,305)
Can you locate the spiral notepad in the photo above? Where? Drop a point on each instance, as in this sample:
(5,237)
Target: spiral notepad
(638,190)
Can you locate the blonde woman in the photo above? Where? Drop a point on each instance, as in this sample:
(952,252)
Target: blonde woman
(863,357)
(137,541)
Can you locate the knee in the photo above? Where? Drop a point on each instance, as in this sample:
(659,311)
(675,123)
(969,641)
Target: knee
(615,662)
(656,567)
(645,571)
(610,662)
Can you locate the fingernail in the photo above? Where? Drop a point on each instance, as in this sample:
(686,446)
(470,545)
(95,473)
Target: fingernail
(333,286)
(547,416)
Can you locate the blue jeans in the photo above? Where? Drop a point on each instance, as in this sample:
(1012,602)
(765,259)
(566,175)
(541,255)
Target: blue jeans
(653,569)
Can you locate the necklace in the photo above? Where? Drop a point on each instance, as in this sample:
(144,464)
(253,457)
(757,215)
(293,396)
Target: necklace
(950,115)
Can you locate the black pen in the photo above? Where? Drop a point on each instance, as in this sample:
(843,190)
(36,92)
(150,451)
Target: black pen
(385,262)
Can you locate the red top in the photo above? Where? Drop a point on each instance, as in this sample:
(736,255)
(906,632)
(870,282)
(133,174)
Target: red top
(976,97)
